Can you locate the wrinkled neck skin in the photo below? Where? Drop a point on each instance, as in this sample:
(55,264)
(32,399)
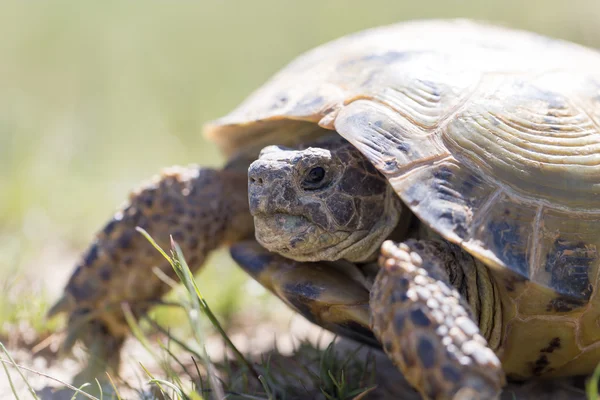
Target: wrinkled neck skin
(325,202)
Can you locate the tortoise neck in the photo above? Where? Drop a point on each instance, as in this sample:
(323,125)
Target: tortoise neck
(215,204)
(475,283)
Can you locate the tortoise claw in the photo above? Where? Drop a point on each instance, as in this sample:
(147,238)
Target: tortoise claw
(426,327)
(320,292)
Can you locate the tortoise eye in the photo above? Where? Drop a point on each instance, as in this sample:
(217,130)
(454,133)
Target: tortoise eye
(314,178)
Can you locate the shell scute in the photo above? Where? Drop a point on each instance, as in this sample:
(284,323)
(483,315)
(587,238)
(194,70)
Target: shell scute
(531,135)
(568,259)
(447,194)
(544,350)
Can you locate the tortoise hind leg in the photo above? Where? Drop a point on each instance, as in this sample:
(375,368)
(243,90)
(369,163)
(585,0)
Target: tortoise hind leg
(426,326)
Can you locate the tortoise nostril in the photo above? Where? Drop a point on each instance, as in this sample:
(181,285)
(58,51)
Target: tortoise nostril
(254,180)
(258,173)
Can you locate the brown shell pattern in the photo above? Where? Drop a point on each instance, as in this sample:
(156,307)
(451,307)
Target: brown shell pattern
(491,136)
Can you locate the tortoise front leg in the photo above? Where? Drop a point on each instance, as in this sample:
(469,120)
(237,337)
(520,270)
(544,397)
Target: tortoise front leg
(201,208)
(426,326)
(325,293)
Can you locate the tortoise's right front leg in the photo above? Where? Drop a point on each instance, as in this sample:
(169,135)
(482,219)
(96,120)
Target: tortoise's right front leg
(427,327)
(201,208)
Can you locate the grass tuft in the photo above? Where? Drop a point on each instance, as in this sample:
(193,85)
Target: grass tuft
(195,306)
(324,372)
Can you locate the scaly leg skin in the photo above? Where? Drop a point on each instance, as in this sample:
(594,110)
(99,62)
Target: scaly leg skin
(427,328)
(201,208)
(324,293)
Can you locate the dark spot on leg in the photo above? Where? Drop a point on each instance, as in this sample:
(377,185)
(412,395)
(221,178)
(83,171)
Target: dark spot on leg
(398,296)
(450,373)
(419,318)
(105,272)
(124,242)
(148,201)
(91,256)
(178,209)
(426,352)
(82,291)
(108,228)
(178,236)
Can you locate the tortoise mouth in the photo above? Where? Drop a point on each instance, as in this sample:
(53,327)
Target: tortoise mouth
(281,233)
(292,236)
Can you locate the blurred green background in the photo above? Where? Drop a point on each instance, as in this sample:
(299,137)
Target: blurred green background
(96,96)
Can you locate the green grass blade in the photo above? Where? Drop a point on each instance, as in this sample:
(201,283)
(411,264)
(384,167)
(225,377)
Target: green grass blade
(65,384)
(180,259)
(80,388)
(10,382)
(112,383)
(16,366)
(591,385)
(193,310)
(175,388)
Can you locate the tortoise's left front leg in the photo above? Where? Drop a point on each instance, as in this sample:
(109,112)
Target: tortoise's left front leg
(426,326)
(201,208)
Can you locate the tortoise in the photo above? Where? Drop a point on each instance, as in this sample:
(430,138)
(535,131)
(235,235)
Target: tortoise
(475,148)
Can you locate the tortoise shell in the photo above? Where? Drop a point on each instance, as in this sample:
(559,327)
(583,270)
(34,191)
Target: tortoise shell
(491,136)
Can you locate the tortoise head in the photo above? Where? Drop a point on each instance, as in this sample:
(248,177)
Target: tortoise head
(324,202)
